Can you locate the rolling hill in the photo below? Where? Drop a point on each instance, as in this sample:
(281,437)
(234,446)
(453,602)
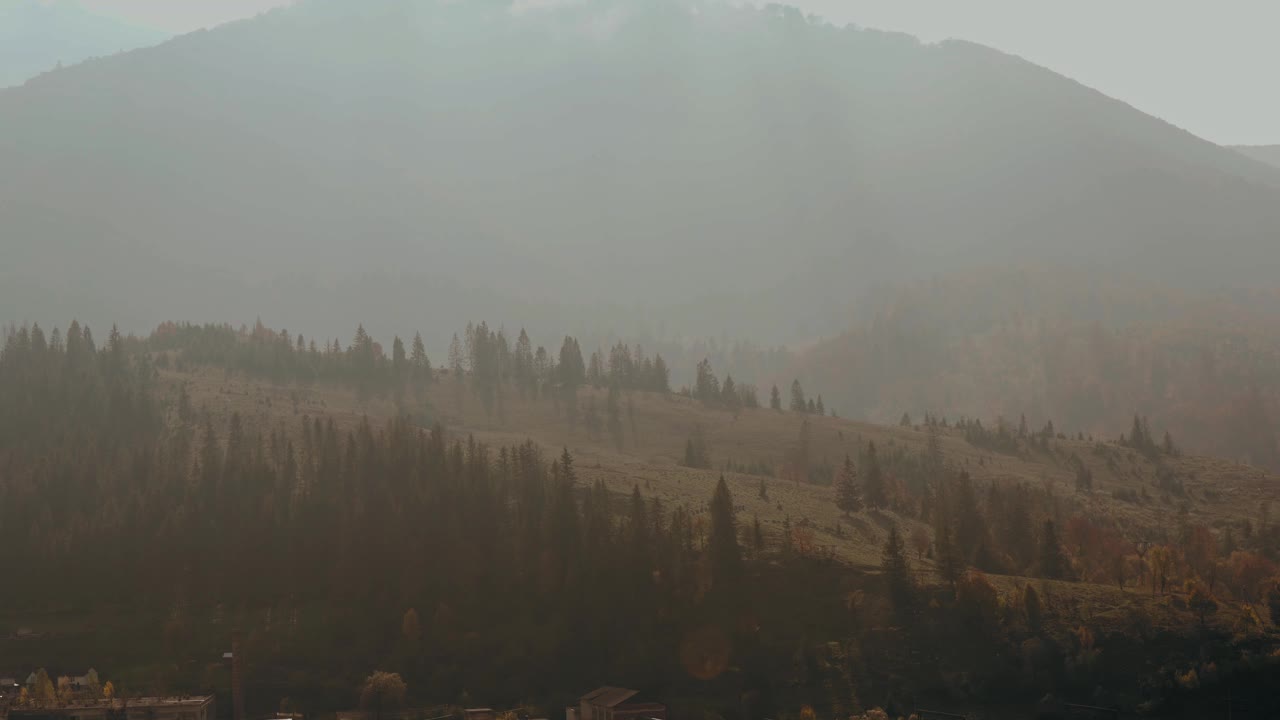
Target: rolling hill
(337,162)
(37,36)
(1126,485)
(1086,350)
(1269,154)
(308,510)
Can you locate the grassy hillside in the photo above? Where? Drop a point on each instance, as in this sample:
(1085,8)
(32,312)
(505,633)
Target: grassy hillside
(1217,493)
(237,494)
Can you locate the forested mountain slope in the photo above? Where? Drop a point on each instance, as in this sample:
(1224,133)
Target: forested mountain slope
(337,161)
(1085,349)
(38,35)
(500,529)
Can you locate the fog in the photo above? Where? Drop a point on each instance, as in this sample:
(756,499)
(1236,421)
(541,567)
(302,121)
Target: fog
(444,355)
(662,172)
(753,177)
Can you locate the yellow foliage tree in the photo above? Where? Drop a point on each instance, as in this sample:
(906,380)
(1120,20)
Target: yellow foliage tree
(44,691)
(1160,558)
(382,690)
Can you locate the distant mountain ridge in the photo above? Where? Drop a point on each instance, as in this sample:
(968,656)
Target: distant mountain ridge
(340,162)
(1269,154)
(38,35)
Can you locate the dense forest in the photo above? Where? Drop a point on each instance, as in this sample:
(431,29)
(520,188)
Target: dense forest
(496,573)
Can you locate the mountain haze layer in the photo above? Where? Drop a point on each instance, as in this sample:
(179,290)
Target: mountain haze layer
(336,162)
(1269,154)
(38,35)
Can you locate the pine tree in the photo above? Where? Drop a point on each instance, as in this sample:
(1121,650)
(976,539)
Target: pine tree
(933,450)
(848,498)
(418,358)
(775,399)
(893,565)
(706,387)
(797,398)
(572,370)
(1053,564)
(723,549)
(399,361)
(695,450)
(661,380)
(455,357)
(820,408)
(729,395)
(949,560)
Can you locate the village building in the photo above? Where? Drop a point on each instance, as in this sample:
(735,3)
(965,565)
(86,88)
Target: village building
(614,703)
(185,707)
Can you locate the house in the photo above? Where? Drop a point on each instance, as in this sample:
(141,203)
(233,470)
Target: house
(614,703)
(185,707)
(9,687)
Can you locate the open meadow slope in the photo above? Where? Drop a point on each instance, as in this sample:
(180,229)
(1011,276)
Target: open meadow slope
(1129,489)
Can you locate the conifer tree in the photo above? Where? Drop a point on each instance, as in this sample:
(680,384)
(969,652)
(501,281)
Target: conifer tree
(399,361)
(798,403)
(661,380)
(729,395)
(950,562)
(1053,564)
(775,399)
(848,497)
(572,371)
(893,566)
(706,387)
(723,549)
(418,358)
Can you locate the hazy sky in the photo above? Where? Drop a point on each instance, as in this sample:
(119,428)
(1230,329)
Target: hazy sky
(1208,67)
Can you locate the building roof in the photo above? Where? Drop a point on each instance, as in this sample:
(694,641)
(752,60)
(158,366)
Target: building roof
(609,696)
(137,702)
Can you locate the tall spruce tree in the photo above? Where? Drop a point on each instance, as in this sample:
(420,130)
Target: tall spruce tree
(848,494)
(1053,563)
(798,403)
(893,566)
(723,550)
